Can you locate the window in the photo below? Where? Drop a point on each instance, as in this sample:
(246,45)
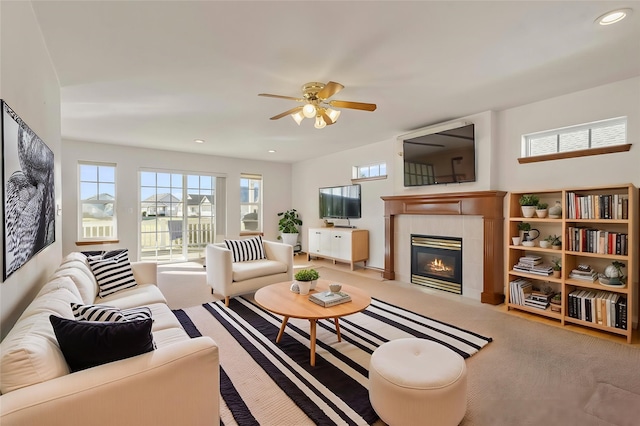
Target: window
(177,215)
(370,172)
(97,202)
(596,136)
(250,203)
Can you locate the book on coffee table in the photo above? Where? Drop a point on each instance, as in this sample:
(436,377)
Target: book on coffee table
(328,298)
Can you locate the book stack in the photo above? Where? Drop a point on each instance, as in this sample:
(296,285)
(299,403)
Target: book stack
(533,265)
(538,299)
(584,273)
(329,298)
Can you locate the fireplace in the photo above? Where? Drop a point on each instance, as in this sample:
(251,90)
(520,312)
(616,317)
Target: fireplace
(436,262)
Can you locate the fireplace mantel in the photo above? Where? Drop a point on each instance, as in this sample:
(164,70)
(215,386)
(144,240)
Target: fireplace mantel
(488,204)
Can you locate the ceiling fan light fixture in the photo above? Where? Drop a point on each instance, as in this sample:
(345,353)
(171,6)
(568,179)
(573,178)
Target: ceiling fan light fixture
(309,110)
(298,117)
(320,124)
(333,114)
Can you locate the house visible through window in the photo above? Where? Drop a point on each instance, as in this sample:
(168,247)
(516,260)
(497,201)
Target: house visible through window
(593,135)
(250,203)
(370,172)
(97,202)
(177,215)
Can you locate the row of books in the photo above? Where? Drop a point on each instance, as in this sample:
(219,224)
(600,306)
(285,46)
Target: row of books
(598,307)
(521,292)
(609,206)
(592,240)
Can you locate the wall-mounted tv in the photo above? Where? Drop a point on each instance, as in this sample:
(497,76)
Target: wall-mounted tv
(340,202)
(447,156)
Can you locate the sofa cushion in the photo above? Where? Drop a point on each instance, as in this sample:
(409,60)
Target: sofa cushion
(30,354)
(86,344)
(56,283)
(82,276)
(257,268)
(247,249)
(112,273)
(140,295)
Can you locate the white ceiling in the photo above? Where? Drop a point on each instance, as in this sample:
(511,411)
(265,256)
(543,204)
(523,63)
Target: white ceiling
(161,74)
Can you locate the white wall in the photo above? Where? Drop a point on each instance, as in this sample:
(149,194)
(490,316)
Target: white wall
(29,85)
(612,100)
(128,160)
(498,147)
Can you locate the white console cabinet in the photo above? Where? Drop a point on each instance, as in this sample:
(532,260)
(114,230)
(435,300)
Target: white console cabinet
(339,245)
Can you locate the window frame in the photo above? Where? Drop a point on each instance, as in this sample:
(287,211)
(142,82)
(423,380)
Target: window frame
(589,127)
(259,204)
(357,170)
(81,239)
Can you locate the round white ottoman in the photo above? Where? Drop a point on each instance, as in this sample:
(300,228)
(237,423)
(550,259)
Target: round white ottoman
(417,382)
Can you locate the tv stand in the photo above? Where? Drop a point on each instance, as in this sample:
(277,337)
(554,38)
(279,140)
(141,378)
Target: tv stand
(349,246)
(348,225)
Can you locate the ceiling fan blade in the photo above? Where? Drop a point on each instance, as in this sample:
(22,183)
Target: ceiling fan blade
(284,114)
(353,105)
(326,117)
(281,97)
(329,90)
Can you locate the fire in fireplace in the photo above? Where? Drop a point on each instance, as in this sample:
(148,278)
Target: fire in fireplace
(436,262)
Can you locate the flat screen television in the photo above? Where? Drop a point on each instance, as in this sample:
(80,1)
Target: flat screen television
(448,156)
(340,202)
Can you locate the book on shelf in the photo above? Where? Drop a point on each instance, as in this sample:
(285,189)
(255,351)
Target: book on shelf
(329,298)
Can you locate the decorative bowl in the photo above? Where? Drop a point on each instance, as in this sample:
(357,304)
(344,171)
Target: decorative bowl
(335,287)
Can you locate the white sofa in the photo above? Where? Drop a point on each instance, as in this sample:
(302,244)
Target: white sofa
(177,383)
(230,279)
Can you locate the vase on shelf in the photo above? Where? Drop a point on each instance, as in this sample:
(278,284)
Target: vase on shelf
(555,212)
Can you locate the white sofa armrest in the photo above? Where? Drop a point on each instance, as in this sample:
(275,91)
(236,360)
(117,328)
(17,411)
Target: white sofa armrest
(145,272)
(175,384)
(280,252)
(219,268)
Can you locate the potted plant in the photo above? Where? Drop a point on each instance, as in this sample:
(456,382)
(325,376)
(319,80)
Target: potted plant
(546,243)
(541,209)
(556,265)
(528,203)
(556,242)
(556,302)
(288,226)
(306,279)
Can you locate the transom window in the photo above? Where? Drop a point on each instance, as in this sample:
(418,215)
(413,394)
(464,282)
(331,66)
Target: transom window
(97,202)
(369,172)
(598,134)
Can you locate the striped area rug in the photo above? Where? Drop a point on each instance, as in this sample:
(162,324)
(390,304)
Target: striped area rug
(267,383)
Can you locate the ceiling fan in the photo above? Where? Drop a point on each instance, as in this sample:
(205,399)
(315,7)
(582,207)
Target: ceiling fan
(315,97)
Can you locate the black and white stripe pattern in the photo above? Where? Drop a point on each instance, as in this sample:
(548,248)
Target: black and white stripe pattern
(335,390)
(248,249)
(100,313)
(113,274)
(139,313)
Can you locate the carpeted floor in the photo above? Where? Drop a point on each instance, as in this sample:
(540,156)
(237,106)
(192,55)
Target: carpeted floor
(532,373)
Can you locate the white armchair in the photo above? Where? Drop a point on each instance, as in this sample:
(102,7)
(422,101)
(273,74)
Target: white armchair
(230,279)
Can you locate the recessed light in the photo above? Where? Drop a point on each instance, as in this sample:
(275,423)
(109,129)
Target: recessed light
(198,140)
(613,16)
(271,151)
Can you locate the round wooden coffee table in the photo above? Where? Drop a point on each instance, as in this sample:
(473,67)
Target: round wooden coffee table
(279,299)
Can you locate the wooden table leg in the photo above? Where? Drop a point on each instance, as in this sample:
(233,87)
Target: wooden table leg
(312,341)
(337,328)
(282,327)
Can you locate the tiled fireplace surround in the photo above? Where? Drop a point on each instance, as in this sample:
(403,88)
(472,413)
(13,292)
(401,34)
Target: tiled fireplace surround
(476,217)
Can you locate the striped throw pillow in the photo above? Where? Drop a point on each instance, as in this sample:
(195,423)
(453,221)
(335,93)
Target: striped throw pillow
(113,274)
(243,250)
(140,313)
(97,313)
